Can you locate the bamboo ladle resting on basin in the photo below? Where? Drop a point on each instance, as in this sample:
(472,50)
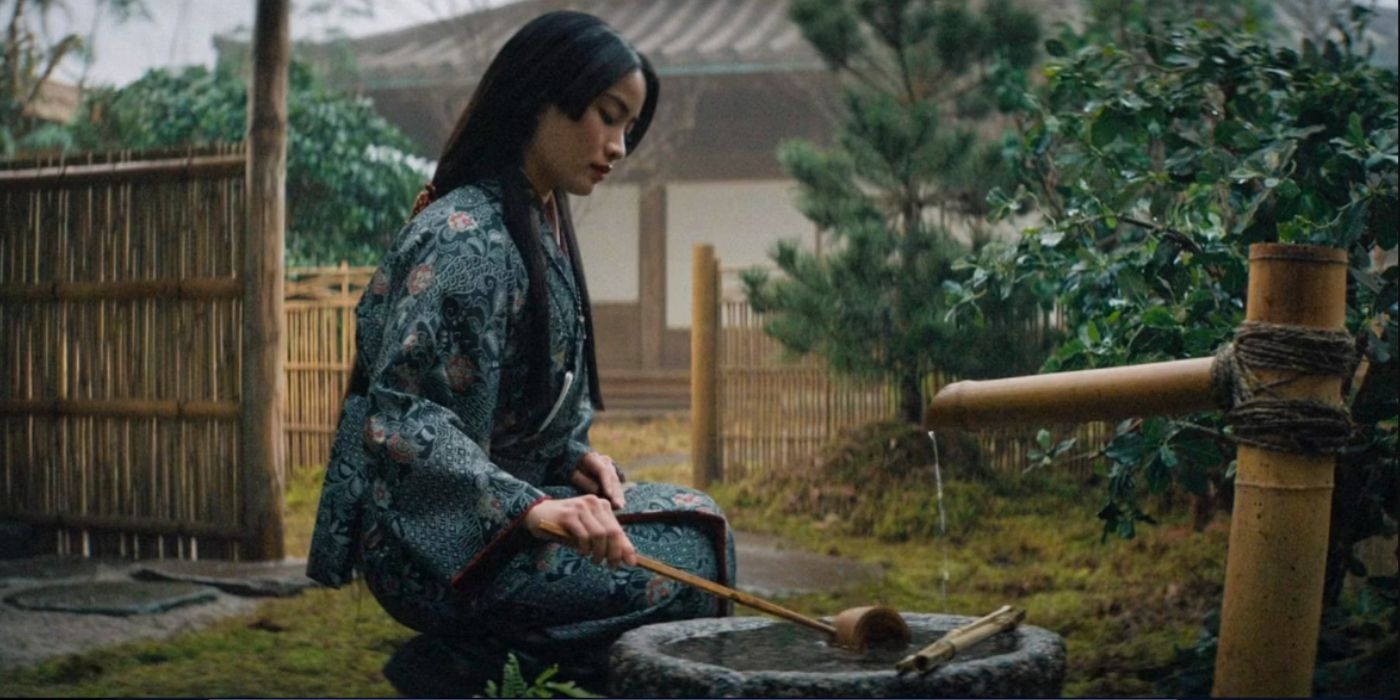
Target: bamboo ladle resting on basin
(854,628)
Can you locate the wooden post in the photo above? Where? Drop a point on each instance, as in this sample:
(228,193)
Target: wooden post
(1278,531)
(263,381)
(704,362)
(651,254)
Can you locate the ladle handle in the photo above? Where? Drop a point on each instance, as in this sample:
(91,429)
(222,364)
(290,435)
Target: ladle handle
(707,585)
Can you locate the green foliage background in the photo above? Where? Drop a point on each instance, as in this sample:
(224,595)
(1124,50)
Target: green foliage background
(904,154)
(350,178)
(350,181)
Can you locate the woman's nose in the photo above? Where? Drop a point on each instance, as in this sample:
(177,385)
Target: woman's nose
(616,148)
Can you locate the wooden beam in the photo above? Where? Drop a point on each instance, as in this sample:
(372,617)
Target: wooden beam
(165,170)
(200,288)
(120,408)
(651,253)
(264,321)
(129,524)
(704,364)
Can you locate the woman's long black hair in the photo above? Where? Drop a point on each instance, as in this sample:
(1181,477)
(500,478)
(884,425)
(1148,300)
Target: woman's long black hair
(565,59)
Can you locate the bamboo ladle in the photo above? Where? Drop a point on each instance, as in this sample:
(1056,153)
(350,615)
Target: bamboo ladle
(854,628)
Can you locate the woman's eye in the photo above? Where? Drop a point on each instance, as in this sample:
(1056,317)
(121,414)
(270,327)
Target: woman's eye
(607,118)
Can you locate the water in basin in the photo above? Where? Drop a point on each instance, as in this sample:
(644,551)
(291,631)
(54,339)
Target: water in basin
(788,647)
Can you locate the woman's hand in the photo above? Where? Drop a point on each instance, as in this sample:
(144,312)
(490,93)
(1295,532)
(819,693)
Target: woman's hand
(596,474)
(590,520)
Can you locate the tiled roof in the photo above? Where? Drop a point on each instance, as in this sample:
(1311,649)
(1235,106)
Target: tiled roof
(679,36)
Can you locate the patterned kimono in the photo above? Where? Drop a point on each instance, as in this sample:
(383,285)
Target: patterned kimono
(439,453)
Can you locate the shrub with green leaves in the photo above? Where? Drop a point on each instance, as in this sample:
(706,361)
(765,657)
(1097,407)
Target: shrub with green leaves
(1149,167)
(350,178)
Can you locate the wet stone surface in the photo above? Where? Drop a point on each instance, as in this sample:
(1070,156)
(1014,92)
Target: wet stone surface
(255,579)
(755,657)
(111,597)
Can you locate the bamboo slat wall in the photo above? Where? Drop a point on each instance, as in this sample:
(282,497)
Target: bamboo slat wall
(320,350)
(775,412)
(119,336)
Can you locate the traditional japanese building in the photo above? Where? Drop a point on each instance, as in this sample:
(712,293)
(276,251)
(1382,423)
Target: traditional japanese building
(737,78)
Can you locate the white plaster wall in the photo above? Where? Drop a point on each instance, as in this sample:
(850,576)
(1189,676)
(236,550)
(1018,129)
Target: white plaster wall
(607,227)
(741,219)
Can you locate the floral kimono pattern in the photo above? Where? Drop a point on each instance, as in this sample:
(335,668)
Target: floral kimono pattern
(439,453)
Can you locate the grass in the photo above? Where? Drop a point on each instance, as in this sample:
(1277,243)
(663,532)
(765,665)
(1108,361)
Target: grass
(1122,606)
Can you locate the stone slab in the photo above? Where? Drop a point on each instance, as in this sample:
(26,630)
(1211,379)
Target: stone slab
(111,597)
(249,579)
(766,569)
(48,567)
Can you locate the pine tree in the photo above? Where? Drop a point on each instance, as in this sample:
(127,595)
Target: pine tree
(914,73)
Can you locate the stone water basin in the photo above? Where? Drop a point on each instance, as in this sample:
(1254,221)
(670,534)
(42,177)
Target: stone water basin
(761,657)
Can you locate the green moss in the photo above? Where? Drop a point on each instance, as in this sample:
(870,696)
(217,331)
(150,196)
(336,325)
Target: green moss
(1030,540)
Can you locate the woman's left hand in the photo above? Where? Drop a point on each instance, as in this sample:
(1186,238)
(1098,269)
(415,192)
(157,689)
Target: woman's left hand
(596,474)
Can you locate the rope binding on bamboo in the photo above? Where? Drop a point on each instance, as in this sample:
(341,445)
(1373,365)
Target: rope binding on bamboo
(1259,418)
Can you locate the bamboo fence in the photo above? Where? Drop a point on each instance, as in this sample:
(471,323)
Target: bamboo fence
(320,351)
(776,411)
(119,336)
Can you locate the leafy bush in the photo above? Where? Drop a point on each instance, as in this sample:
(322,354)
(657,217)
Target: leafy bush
(350,178)
(1148,165)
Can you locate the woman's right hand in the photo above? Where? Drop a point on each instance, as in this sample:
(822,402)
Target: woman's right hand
(590,520)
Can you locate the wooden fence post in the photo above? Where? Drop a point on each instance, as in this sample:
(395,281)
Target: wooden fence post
(704,363)
(264,382)
(1283,501)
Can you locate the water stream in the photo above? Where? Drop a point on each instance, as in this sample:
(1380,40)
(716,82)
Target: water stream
(942,521)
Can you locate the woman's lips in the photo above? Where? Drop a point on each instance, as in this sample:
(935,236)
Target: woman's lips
(601,171)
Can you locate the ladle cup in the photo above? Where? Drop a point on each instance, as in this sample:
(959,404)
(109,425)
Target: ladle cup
(854,628)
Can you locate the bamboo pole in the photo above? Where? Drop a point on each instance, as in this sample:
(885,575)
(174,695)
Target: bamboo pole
(1279,528)
(1096,394)
(263,380)
(704,418)
(1283,502)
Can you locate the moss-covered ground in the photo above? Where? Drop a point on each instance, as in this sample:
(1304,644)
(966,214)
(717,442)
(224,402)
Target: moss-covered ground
(1122,606)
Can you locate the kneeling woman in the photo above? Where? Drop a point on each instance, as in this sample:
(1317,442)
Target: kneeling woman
(466,423)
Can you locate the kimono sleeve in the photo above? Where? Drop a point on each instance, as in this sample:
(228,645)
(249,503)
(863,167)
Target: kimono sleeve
(441,502)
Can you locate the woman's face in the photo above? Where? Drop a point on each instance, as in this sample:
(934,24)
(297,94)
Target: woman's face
(577,155)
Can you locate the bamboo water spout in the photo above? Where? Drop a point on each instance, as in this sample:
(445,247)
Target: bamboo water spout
(1279,529)
(1095,394)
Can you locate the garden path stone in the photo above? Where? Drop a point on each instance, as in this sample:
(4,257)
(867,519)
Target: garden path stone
(111,597)
(767,568)
(252,579)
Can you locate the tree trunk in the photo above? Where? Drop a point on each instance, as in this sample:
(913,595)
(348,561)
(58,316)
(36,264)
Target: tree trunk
(911,402)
